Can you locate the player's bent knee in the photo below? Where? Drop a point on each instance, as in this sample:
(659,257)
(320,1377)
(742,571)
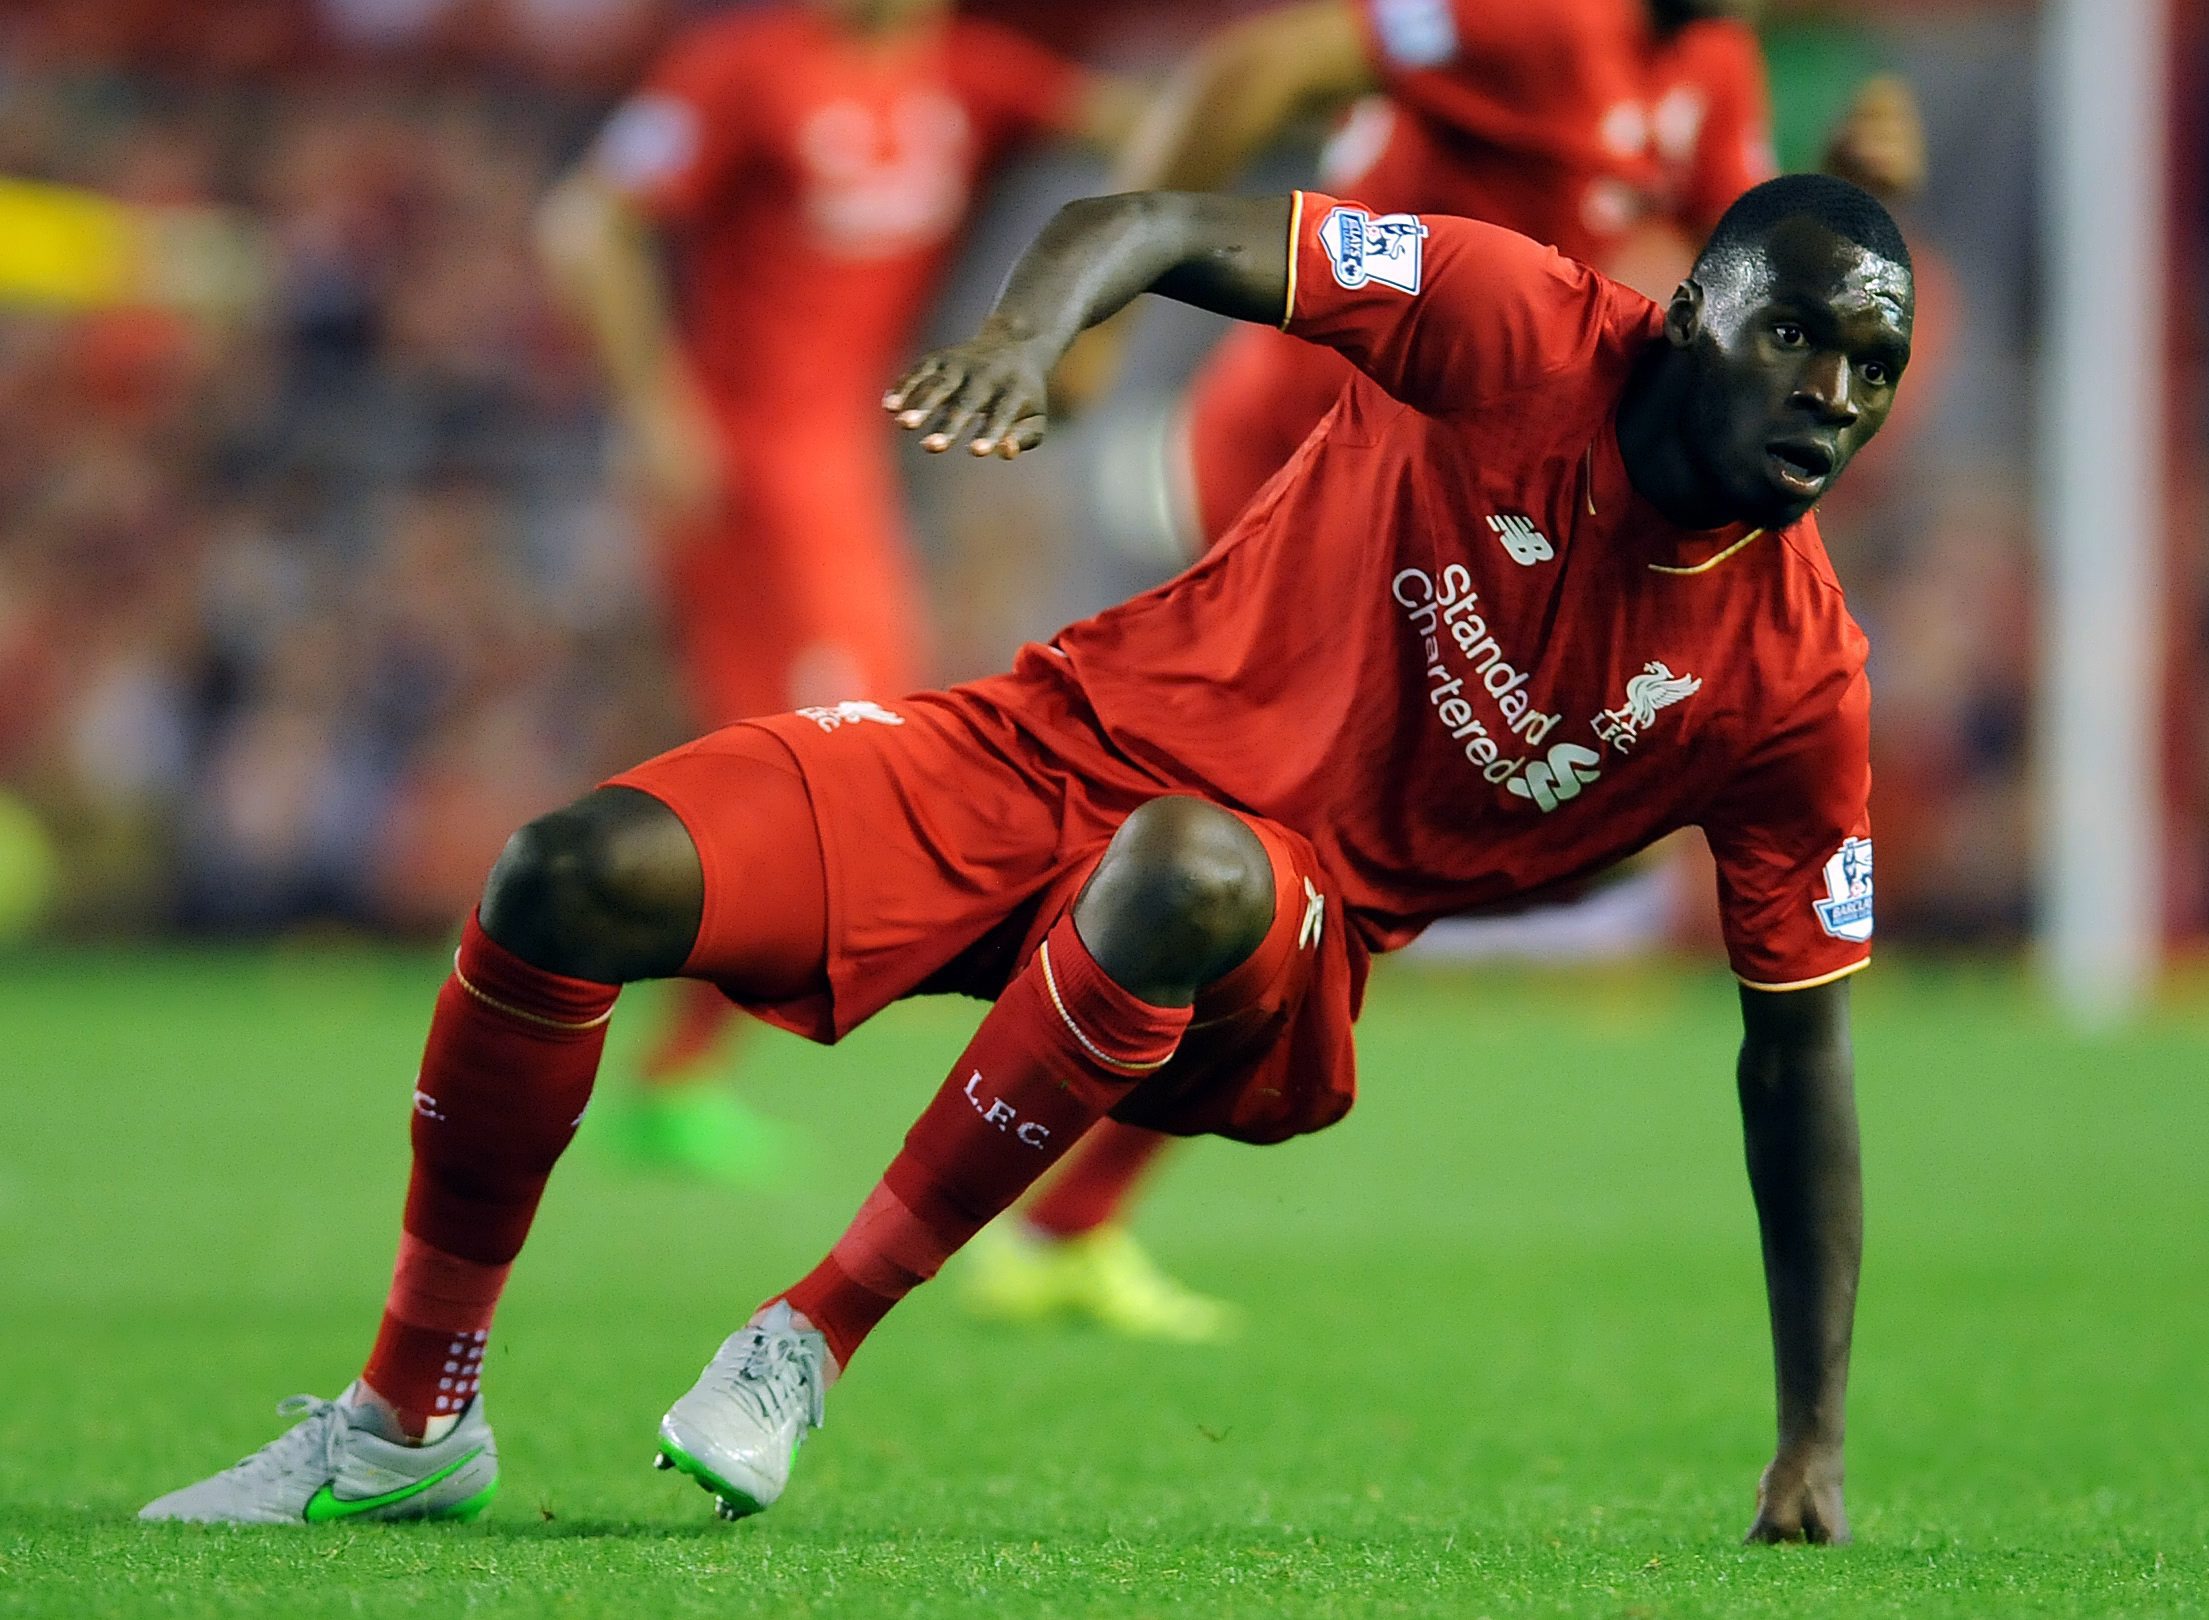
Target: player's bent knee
(1182,896)
(609,888)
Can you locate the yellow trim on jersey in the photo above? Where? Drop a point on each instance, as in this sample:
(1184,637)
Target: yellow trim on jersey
(1856,966)
(1296,232)
(1706,567)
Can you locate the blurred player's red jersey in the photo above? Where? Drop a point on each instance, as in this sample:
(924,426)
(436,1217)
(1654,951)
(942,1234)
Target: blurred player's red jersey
(812,184)
(1572,122)
(1450,650)
(815,182)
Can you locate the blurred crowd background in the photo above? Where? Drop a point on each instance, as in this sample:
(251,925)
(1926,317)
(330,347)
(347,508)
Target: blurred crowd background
(307,601)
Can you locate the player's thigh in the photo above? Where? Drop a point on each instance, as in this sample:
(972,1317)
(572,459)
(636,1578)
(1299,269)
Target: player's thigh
(763,926)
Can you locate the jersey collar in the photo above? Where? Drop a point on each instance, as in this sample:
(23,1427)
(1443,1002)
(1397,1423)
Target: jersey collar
(1608,499)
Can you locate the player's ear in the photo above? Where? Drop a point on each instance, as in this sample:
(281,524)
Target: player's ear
(1683,317)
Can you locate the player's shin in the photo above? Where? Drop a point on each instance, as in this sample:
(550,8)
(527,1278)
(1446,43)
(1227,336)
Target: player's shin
(1063,1044)
(506,1072)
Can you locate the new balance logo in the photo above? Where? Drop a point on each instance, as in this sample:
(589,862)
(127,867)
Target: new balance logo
(1527,544)
(1551,782)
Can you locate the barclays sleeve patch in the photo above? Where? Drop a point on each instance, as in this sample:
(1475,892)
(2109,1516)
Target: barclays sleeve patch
(1365,247)
(1846,912)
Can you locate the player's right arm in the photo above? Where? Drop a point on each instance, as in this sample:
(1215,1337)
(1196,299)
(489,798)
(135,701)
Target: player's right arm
(1442,313)
(1244,85)
(1225,254)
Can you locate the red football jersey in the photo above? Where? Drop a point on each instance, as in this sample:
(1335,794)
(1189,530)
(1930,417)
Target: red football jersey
(1452,646)
(1710,121)
(813,184)
(1567,121)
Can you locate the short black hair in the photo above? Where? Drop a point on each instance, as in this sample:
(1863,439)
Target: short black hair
(1848,211)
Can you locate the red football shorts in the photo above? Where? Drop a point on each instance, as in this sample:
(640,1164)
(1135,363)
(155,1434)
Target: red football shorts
(1257,397)
(951,832)
(803,589)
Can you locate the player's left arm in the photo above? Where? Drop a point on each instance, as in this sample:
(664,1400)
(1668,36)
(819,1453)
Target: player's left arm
(1791,834)
(1796,1080)
(1229,255)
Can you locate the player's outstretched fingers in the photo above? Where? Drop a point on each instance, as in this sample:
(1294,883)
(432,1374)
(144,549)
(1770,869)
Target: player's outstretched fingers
(925,388)
(1025,434)
(996,434)
(957,417)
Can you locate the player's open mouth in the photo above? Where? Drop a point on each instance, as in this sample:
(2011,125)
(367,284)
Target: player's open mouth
(1802,467)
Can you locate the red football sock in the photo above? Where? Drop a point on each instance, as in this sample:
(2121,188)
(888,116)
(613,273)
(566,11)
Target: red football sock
(507,1071)
(1096,1181)
(1061,1046)
(693,1027)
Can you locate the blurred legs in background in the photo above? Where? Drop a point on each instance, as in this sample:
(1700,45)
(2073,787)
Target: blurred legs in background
(802,592)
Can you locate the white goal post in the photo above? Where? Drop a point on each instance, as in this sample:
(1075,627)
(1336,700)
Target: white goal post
(2102,379)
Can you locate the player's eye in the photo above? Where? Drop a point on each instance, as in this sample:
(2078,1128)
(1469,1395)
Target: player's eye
(1790,335)
(1876,372)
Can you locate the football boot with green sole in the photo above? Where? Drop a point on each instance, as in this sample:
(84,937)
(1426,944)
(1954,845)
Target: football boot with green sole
(329,1466)
(738,1429)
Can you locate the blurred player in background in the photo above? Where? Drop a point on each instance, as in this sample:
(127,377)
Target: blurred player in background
(752,243)
(1617,131)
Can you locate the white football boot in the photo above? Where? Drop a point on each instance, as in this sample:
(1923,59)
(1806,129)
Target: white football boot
(738,1430)
(332,1465)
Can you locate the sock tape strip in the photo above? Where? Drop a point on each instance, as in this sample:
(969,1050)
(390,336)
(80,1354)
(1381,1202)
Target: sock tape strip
(1050,983)
(523,1014)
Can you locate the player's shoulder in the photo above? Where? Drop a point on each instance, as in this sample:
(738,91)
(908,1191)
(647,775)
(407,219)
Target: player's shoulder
(1816,603)
(1450,258)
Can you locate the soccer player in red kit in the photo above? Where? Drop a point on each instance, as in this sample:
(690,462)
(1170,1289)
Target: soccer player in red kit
(1605,128)
(804,170)
(1542,588)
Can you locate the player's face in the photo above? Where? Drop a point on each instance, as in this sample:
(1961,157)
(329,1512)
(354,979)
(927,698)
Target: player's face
(1797,357)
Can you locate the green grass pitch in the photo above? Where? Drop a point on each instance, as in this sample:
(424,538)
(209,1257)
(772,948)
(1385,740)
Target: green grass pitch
(1507,1354)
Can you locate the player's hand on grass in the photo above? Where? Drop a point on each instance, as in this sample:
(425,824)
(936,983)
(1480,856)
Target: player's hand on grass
(988,393)
(1799,1499)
